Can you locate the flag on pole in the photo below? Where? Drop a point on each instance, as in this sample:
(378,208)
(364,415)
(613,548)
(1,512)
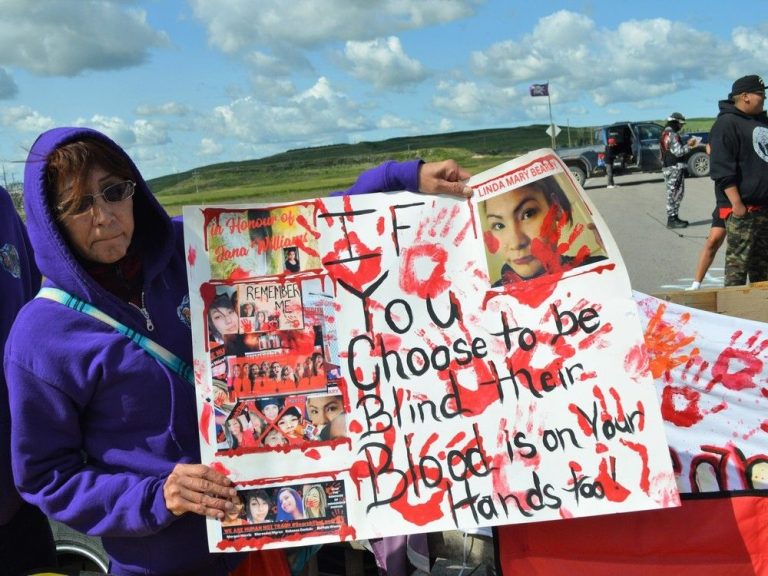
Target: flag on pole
(539,89)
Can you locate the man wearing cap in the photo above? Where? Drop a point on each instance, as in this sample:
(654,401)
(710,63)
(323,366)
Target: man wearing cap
(739,167)
(673,167)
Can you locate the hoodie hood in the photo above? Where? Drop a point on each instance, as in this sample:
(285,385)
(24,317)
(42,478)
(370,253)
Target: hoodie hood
(728,107)
(153,234)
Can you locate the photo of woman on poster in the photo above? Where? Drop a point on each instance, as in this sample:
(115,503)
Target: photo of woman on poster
(525,229)
(222,318)
(259,508)
(322,409)
(289,505)
(273,439)
(315,501)
(290,425)
(291,260)
(270,407)
(239,436)
(235,516)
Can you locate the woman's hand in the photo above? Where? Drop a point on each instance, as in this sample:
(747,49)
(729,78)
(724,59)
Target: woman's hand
(199,489)
(445,177)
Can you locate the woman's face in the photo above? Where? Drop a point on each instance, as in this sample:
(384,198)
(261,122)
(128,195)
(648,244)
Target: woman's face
(270,411)
(234,426)
(288,424)
(274,438)
(312,499)
(253,370)
(259,508)
(104,232)
(287,502)
(237,510)
(321,410)
(319,363)
(515,220)
(286,373)
(224,320)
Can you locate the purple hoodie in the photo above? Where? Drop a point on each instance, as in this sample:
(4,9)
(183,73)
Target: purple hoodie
(19,281)
(104,423)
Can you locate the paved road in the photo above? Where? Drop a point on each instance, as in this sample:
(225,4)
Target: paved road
(657,259)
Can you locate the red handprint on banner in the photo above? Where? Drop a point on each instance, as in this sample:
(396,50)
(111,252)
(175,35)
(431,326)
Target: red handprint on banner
(736,367)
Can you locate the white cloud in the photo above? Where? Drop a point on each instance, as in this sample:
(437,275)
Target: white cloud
(238,25)
(25,119)
(383,63)
(316,115)
(390,122)
(473,101)
(167,109)
(210,147)
(638,60)
(49,37)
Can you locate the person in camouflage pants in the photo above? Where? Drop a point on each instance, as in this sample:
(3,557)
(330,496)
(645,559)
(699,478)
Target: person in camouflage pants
(739,167)
(673,152)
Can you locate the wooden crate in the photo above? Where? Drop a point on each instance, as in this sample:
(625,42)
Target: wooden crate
(749,302)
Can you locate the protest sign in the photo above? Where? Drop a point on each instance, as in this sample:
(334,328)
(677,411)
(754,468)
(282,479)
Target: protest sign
(428,362)
(710,372)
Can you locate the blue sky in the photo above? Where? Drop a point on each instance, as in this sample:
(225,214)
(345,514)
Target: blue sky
(186,83)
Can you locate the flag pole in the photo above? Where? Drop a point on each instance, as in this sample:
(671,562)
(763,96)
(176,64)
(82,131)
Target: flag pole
(551,123)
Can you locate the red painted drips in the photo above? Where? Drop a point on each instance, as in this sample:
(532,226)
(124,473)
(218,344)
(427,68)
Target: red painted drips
(312,453)
(205,423)
(220,468)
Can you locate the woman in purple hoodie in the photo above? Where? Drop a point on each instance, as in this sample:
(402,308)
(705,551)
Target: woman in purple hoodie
(118,455)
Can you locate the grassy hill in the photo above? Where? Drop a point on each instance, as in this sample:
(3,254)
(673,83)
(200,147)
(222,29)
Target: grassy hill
(313,172)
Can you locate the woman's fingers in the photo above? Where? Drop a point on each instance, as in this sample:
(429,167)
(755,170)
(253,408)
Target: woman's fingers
(198,489)
(445,177)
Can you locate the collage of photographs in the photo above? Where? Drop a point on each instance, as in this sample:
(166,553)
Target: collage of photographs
(273,349)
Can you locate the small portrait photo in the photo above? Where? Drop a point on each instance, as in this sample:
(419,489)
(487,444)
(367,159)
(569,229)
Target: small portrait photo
(243,431)
(291,259)
(321,412)
(274,439)
(235,516)
(259,507)
(542,227)
(222,315)
(270,407)
(315,501)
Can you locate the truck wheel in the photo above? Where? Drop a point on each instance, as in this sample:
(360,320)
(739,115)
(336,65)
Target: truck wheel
(578,174)
(698,164)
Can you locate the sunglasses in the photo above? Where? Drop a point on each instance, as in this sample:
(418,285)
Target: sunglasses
(112,194)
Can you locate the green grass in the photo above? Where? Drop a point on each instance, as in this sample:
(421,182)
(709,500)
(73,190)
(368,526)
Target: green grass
(314,172)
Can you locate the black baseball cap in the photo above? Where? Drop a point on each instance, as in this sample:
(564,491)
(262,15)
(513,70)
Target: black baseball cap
(752,83)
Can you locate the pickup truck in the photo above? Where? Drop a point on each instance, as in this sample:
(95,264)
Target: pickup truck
(637,146)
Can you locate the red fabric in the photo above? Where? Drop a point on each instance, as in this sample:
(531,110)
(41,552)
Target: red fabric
(706,537)
(264,563)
